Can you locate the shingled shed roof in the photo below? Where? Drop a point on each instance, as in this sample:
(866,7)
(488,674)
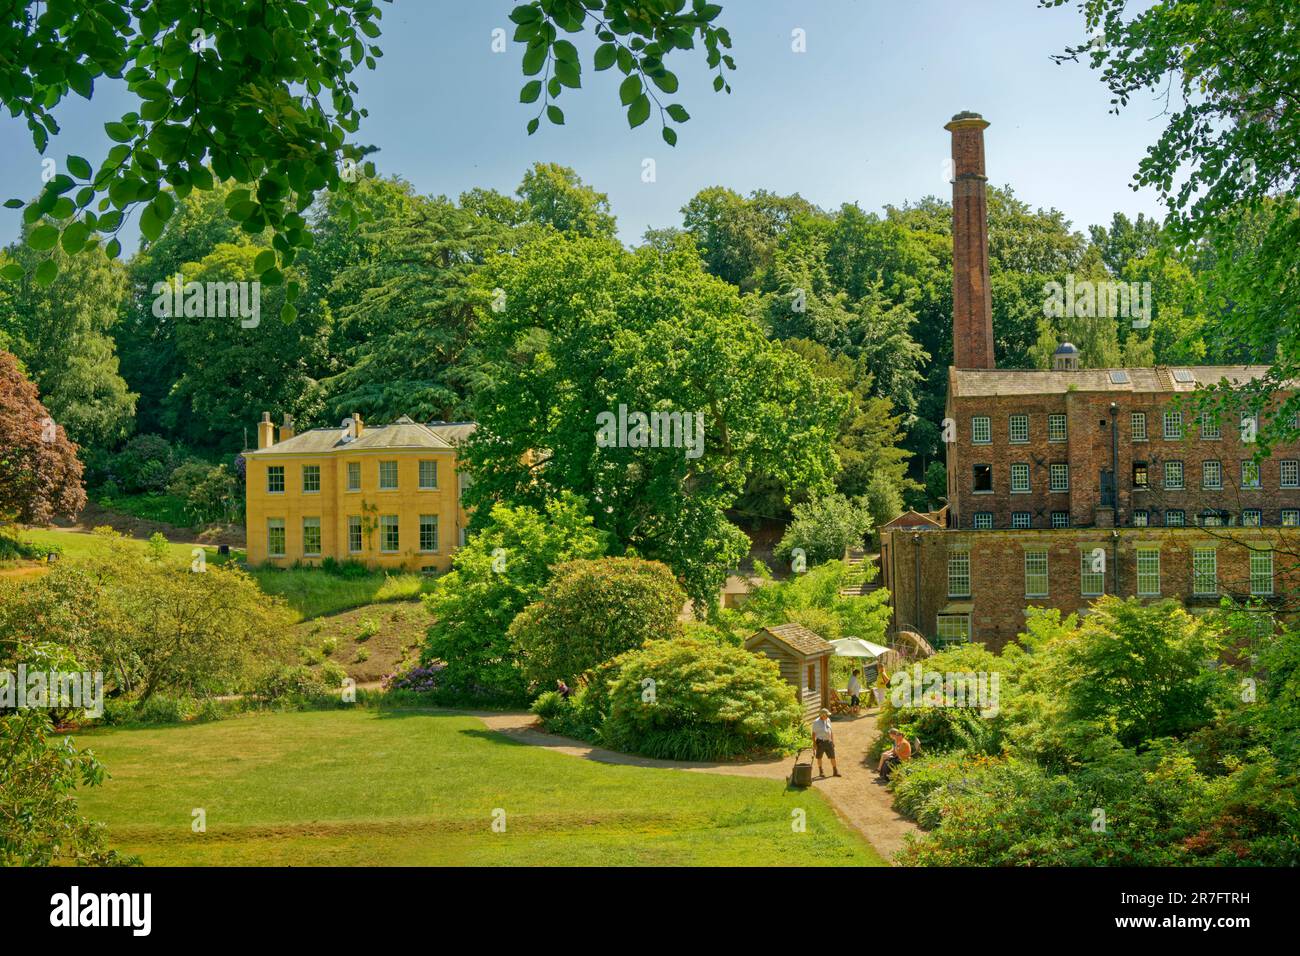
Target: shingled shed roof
(989,383)
(797,638)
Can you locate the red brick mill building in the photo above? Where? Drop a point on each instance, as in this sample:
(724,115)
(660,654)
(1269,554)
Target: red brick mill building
(1067,484)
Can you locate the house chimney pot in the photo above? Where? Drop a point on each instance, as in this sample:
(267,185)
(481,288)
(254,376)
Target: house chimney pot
(286,430)
(265,431)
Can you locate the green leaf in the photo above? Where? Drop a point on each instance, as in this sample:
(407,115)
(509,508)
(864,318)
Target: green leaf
(534,58)
(532,126)
(670,136)
(265,260)
(43,237)
(151,226)
(629,90)
(525,13)
(288,313)
(79,167)
(555,115)
(606,54)
(678,113)
(532,89)
(13,204)
(639,111)
(113,249)
(74,237)
(13,272)
(567,73)
(46,272)
(665,81)
(119,132)
(565,52)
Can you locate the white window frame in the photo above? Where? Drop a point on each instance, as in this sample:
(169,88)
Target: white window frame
(1205,572)
(384,526)
(958,571)
(1211,427)
(1261,570)
(1212,475)
(950,634)
(434,520)
(1012,436)
(1058,428)
(1182,523)
(981,425)
(305,470)
(354,471)
(1022,519)
(360,537)
(382,485)
(1172,426)
(1088,576)
(1058,468)
(1020,487)
(276,524)
(320,537)
(1150,557)
(273,470)
(433,462)
(1250,465)
(1035,575)
(1289,473)
(1137,423)
(1290,517)
(1060,519)
(1182,476)
(1251,517)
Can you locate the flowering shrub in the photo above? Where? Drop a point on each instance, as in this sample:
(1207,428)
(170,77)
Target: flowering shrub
(421,679)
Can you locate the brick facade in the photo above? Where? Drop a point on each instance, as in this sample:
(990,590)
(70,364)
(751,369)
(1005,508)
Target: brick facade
(999,585)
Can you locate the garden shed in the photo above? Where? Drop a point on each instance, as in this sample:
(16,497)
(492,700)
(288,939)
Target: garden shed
(804,658)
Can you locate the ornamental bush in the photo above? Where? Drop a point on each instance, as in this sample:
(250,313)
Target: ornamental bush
(695,700)
(592,611)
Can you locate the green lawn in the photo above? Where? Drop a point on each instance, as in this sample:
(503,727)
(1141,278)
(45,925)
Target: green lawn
(362,787)
(77,544)
(312,592)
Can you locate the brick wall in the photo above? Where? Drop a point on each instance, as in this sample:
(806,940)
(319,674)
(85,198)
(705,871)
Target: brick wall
(1088,451)
(997,599)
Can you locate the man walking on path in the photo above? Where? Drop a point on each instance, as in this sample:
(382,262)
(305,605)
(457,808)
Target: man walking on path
(824,742)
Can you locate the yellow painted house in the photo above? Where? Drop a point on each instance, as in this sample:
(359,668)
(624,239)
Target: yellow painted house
(387,496)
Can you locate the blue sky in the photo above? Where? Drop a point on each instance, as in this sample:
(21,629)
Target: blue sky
(858,117)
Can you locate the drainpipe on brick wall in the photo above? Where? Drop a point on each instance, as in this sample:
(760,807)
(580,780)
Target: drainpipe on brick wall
(916,562)
(1114,490)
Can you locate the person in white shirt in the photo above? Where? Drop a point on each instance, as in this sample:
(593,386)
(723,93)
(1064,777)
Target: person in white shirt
(824,742)
(855,688)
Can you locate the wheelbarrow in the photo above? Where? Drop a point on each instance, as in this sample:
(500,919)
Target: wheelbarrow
(801,775)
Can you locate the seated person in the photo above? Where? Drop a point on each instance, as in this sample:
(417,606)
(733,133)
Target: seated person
(902,750)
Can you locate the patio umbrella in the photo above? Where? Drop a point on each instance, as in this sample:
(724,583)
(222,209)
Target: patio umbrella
(857,647)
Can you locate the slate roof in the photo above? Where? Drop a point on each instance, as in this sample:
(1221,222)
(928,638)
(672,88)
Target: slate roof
(798,638)
(452,432)
(988,383)
(403,433)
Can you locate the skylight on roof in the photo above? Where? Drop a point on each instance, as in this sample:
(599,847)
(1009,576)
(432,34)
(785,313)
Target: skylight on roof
(1183,375)
(1118,377)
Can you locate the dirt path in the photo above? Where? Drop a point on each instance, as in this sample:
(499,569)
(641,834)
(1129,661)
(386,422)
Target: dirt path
(860,800)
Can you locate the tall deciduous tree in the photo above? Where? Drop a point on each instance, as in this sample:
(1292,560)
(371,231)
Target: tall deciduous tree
(61,332)
(40,476)
(589,333)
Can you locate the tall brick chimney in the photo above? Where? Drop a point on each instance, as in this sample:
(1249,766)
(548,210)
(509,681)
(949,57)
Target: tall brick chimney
(972,306)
